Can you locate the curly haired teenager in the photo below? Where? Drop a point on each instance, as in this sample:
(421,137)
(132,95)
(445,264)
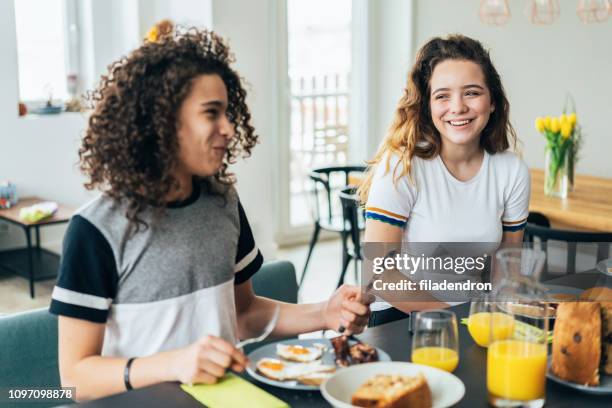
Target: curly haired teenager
(156,271)
(444,172)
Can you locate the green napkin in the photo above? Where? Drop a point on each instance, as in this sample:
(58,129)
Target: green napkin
(522,330)
(233,391)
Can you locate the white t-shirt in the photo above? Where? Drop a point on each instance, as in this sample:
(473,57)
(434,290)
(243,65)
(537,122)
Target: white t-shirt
(440,208)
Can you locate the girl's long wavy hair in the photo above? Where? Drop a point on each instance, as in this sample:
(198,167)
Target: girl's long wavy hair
(130,146)
(412,131)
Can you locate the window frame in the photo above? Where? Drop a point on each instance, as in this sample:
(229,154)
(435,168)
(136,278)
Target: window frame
(72,52)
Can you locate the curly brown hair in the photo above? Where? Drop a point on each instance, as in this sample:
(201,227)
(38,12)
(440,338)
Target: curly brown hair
(130,146)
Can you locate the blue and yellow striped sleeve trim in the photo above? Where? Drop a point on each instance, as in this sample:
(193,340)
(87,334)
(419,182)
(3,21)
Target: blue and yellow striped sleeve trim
(379,214)
(514,225)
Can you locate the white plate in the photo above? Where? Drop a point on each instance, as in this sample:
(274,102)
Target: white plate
(604,387)
(559,289)
(605,267)
(446,389)
(269,351)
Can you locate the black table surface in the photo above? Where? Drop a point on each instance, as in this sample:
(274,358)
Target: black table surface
(395,339)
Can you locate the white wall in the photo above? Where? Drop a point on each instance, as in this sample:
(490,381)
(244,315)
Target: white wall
(382,53)
(394,46)
(249,27)
(538,65)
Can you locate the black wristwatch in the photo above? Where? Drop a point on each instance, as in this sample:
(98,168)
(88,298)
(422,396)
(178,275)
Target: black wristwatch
(126,374)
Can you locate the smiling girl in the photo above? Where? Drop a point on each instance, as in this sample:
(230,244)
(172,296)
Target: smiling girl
(444,172)
(154,280)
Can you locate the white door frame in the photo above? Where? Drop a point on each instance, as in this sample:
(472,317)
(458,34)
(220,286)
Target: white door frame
(360,123)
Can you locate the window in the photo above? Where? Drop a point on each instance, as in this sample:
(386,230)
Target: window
(46,49)
(319,65)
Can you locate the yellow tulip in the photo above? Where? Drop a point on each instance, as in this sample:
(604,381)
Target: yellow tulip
(539,124)
(547,122)
(562,119)
(572,118)
(566,130)
(153,34)
(554,125)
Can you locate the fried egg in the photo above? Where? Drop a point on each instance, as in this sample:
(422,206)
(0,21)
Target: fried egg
(283,371)
(295,352)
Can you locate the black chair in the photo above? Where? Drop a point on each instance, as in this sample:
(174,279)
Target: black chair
(323,182)
(572,238)
(354,221)
(535,218)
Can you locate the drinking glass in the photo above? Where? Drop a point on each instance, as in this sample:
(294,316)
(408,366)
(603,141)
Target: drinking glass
(516,361)
(482,310)
(435,341)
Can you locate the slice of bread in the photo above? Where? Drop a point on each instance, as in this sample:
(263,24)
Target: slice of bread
(393,391)
(314,378)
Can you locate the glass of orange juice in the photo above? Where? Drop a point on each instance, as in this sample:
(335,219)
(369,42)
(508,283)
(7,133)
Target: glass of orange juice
(516,363)
(435,341)
(479,322)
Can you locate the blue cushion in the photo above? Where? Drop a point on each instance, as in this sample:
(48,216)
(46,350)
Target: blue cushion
(29,351)
(276,280)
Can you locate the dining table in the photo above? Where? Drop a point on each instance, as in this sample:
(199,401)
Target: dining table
(394,338)
(587,208)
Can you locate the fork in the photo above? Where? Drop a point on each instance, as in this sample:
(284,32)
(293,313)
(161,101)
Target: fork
(267,330)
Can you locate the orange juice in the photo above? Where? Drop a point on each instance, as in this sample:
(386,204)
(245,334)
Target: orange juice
(440,357)
(479,326)
(516,370)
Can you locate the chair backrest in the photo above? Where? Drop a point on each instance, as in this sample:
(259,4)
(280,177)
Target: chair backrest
(28,350)
(322,179)
(350,215)
(535,218)
(276,280)
(572,238)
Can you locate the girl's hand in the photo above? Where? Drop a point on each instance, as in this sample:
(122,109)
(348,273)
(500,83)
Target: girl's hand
(206,361)
(347,308)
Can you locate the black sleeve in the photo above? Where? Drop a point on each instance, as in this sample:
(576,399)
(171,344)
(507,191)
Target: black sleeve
(248,256)
(87,281)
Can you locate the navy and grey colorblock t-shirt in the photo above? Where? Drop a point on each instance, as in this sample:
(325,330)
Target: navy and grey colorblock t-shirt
(163,287)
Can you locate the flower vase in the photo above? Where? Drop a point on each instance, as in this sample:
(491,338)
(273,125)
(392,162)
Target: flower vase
(556,173)
(571,168)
